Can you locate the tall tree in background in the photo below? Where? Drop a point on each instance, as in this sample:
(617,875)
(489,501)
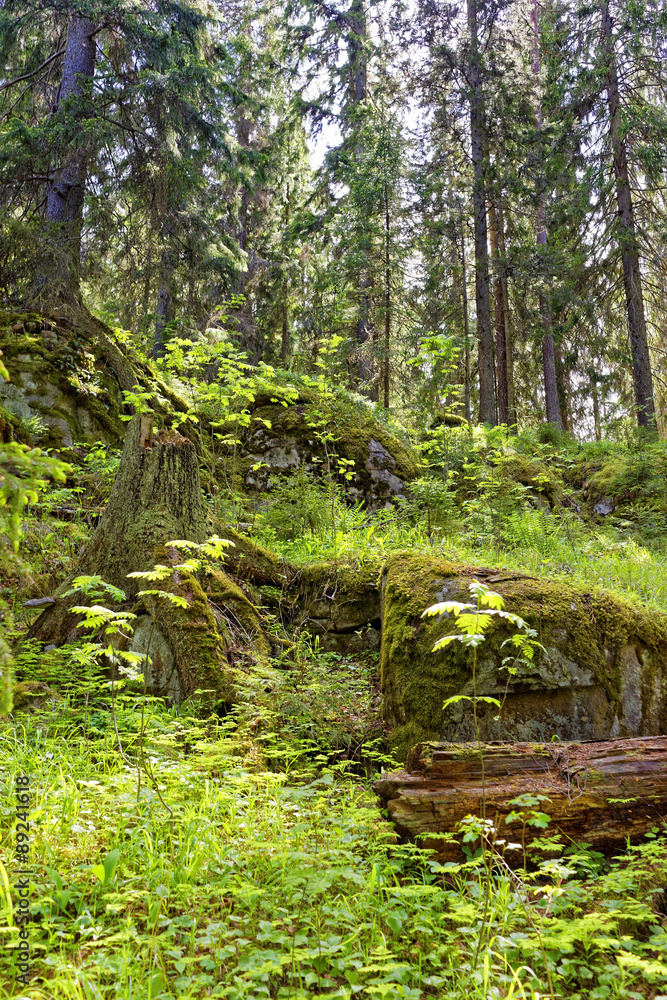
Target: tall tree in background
(626,233)
(548,350)
(487,387)
(57,276)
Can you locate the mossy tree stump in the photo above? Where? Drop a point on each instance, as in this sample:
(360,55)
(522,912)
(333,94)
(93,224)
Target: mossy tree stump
(157,498)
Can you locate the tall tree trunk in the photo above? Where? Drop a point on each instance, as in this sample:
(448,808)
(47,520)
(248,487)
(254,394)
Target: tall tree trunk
(548,353)
(285,337)
(58,270)
(466,331)
(357,94)
(509,343)
(499,318)
(563,389)
(595,396)
(387,296)
(627,238)
(165,302)
(487,389)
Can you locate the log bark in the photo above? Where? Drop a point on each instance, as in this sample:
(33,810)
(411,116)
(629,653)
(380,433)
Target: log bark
(600,792)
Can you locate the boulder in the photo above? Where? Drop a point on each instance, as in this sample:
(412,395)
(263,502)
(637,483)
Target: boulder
(60,391)
(68,374)
(602,674)
(340,605)
(280,439)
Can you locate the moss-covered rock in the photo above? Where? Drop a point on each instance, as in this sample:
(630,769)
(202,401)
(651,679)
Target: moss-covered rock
(603,672)
(283,438)
(61,390)
(34,696)
(340,605)
(68,374)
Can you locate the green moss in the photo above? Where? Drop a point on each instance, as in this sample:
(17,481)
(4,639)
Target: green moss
(351,425)
(351,580)
(32,695)
(236,617)
(604,481)
(416,681)
(58,376)
(589,629)
(193,636)
(537,476)
(404,738)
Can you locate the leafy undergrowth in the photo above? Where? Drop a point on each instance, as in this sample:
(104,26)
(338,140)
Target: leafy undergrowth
(200,860)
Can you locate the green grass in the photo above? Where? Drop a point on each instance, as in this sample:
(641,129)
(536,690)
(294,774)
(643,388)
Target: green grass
(260,873)
(246,857)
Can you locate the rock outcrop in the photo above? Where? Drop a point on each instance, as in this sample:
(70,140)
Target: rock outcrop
(280,439)
(603,673)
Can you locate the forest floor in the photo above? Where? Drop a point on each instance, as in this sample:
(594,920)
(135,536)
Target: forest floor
(178,853)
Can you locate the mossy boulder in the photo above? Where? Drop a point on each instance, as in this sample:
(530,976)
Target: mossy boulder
(68,374)
(280,439)
(34,696)
(603,672)
(340,605)
(61,391)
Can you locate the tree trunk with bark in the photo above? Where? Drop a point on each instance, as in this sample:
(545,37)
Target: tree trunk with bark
(509,342)
(164,313)
(487,388)
(57,277)
(357,93)
(499,317)
(548,351)
(627,238)
(598,792)
(157,498)
(466,331)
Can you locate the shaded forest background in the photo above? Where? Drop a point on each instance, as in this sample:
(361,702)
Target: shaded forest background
(464,203)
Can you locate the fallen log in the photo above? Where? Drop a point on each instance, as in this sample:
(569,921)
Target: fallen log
(599,792)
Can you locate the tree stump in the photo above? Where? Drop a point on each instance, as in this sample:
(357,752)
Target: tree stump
(598,792)
(157,498)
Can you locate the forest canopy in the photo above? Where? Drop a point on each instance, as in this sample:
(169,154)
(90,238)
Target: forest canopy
(469,198)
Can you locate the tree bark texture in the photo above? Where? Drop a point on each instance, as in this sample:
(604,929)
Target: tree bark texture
(157,498)
(387,297)
(548,352)
(627,238)
(563,388)
(165,301)
(357,94)
(487,388)
(509,342)
(466,330)
(499,318)
(58,276)
(599,792)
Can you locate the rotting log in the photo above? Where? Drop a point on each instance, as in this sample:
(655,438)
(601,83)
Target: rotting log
(599,792)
